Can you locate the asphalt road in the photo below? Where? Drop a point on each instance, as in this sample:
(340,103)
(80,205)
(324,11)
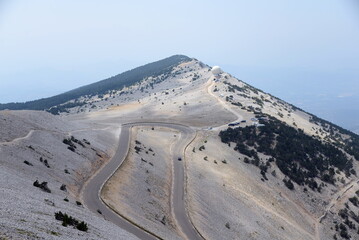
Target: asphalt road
(91,191)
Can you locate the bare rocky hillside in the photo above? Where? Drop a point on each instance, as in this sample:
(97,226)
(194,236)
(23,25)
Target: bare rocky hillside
(257,168)
(57,156)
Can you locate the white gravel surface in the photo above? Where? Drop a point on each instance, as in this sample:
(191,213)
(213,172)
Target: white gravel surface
(27,212)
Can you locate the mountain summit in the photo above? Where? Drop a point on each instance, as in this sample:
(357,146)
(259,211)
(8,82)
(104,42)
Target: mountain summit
(203,155)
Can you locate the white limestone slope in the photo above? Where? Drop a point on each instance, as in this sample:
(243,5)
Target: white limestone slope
(27,212)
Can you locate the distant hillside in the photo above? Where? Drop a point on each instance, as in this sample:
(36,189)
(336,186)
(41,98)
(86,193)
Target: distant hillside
(113,83)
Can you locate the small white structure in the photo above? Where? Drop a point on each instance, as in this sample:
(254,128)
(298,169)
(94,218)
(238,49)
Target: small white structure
(216,71)
(257,124)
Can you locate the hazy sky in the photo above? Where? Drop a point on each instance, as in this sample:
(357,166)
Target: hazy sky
(288,48)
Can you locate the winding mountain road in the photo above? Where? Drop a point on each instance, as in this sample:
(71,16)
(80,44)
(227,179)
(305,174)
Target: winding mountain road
(91,192)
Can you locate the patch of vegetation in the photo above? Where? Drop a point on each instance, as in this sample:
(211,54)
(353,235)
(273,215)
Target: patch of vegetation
(234,88)
(227,225)
(300,157)
(70,221)
(71,143)
(347,224)
(164,220)
(237,104)
(195,77)
(354,200)
(229,98)
(63,108)
(43,186)
(28,163)
(201,148)
(288,184)
(46,163)
(73,139)
(63,188)
(138,149)
(31,147)
(350,145)
(258,101)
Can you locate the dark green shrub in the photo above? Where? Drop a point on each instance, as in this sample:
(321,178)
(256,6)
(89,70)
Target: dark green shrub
(82,226)
(70,221)
(288,184)
(354,200)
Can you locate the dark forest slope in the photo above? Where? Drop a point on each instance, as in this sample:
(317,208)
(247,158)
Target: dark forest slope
(113,83)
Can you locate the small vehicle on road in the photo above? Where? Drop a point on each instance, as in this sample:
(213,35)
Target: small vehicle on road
(179,159)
